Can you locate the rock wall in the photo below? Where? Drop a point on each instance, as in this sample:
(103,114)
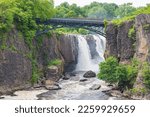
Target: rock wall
(68,46)
(16,63)
(120,45)
(118,42)
(124,48)
(142,25)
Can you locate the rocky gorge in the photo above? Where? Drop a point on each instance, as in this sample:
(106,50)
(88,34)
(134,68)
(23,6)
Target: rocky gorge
(55,56)
(61,79)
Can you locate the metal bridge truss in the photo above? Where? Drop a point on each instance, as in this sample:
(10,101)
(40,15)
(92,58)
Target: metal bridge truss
(93,27)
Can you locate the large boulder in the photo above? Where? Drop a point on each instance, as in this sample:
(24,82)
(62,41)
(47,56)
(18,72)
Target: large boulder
(89,74)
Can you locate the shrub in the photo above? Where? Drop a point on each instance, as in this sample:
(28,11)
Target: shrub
(108,70)
(123,75)
(146,74)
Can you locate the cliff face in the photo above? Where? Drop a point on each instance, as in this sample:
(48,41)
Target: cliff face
(68,46)
(120,45)
(118,42)
(16,65)
(142,24)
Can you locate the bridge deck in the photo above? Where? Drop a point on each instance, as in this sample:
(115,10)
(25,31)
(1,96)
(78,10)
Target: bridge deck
(71,22)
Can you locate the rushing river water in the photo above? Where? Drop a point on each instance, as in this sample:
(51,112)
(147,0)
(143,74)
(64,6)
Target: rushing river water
(74,89)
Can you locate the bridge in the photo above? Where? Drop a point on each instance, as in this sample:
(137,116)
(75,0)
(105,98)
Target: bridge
(93,25)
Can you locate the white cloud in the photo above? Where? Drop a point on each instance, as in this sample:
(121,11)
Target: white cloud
(85,2)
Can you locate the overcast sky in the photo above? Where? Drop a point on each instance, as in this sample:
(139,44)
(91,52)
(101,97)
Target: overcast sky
(85,2)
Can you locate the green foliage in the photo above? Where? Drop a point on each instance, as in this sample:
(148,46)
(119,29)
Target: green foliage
(131,33)
(54,62)
(23,14)
(131,16)
(146,26)
(83,31)
(138,91)
(146,74)
(71,31)
(123,75)
(124,10)
(108,70)
(105,24)
(65,10)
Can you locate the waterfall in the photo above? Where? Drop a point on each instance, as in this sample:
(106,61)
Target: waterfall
(100,47)
(84,56)
(85,61)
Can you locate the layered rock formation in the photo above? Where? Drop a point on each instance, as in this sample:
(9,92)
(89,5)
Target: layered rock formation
(120,45)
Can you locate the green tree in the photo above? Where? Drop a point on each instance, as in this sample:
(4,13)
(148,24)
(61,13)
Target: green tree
(97,12)
(124,10)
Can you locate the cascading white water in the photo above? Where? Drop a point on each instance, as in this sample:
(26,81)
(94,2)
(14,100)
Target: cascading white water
(100,47)
(84,56)
(85,61)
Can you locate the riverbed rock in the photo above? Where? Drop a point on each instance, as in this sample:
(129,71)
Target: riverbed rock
(51,85)
(95,87)
(89,74)
(83,80)
(66,77)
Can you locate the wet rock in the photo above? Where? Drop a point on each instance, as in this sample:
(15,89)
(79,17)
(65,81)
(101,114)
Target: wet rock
(1,97)
(83,80)
(95,87)
(72,74)
(51,85)
(66,77)
(110,85)
(89,74)
(69,50)
(92,46)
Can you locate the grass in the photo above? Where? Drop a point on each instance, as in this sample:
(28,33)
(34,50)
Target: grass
(54,62)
